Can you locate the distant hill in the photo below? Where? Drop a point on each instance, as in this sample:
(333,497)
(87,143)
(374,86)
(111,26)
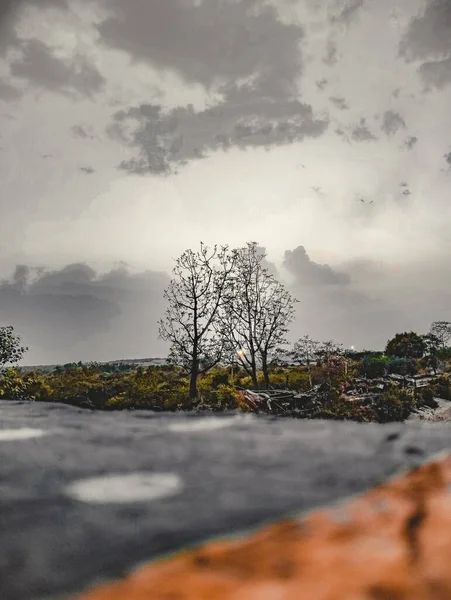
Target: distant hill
(142,362)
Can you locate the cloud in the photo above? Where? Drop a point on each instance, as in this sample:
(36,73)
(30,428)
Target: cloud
(331,306)
(87,170)
(42,68)
(428,40)
(347,12)
(8,92)
(307,272)
(392,122)
(75,314)
(410,142)
(168,139)
(331,57)
(436,74)
(339,103)
(10,12)
(361,133)
(207,41)
(252,59)
(78,131)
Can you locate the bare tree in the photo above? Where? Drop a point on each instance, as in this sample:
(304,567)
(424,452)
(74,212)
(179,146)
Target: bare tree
(332,356)
(194,296)
(442,331)
(304,352)
(255,312)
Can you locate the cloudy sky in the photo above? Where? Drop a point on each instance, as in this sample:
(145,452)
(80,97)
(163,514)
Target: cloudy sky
(132,129)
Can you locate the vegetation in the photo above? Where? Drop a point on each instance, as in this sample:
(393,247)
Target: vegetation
(11,349)
(227,321)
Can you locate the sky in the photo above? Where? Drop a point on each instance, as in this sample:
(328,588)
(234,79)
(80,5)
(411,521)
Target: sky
(131,130)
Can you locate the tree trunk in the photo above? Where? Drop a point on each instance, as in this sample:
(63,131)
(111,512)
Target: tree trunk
(265,369)
(254,373)
(309,371)
(193,380)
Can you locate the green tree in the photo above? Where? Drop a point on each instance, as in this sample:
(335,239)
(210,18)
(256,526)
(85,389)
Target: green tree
(11,349)
(406,345)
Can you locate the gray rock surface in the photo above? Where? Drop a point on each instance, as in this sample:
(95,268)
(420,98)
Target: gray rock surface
(190,477)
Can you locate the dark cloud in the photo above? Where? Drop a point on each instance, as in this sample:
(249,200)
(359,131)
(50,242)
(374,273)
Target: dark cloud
(392,122)
(330,306)
(309,273)
(361,133)
(331,57)
(39,66)
(410,142)
(8,92)
(207,41)
(75,314)
(78,131)
(243,45)
(347,11)
(428,39)
(244,120)
(339,103)
(87,170)
(429,33)
(436,74)
(321,84)
(10,11)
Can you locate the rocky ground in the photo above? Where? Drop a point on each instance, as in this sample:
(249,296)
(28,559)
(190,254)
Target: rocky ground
(441,414)
(88,496)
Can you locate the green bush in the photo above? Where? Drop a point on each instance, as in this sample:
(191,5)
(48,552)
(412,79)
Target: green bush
(425,397)
(442,387)
(394,404)
(403,366)
(373,367)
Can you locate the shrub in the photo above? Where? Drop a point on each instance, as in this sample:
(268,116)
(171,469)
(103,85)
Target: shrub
(394,404)
(372,367)
(12,385)
(425,397)
(403,366)
(441,387)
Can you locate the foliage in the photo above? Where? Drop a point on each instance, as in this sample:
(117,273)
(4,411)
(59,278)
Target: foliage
(402,366)
(373,367)
(406,345)
(442,387)
(343,410)
(425,397)
(394,404)
(11,349)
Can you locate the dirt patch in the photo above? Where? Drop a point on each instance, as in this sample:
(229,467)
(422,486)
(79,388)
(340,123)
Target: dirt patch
(393,543)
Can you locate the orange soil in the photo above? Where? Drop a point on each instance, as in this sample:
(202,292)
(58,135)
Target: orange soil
(393,543)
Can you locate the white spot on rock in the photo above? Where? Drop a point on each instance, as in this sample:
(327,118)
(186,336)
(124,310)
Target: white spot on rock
(203,424)
(121,489)
(24,433)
